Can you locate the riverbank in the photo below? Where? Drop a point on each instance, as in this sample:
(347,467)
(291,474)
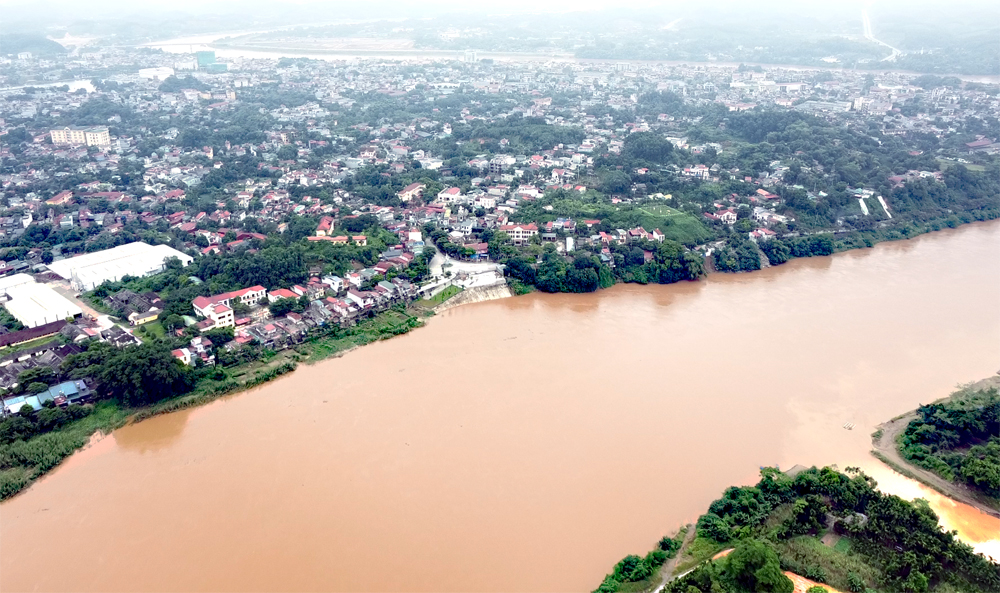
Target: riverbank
(23,462)
(41,454)
(885,447)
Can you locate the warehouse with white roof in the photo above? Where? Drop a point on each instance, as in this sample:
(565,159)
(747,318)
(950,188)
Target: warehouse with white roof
(36,304)
(13,280)
(87,272)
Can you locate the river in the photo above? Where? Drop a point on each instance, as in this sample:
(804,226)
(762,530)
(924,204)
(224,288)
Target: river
(525,444)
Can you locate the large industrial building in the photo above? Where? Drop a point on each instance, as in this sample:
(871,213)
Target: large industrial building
(87,272)
(35,304)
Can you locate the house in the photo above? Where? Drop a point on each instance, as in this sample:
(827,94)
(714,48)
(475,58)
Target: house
(414,191)
(217,310)
(201,347)
(324,227)
(247,296)
(335,283)
(725,216)
(216,316)
(137,308)
(520,233)
(449,196)
(281,293)
(360,298)
(360,240)
(184,355)
(762,235)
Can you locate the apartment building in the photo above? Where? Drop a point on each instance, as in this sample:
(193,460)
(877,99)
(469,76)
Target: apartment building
(78,136)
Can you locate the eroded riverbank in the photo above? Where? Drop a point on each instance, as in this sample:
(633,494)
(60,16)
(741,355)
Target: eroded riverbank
(523,444)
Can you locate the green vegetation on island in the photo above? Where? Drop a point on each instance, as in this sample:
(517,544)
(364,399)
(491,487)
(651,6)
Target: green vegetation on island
(827,526)
(958,439)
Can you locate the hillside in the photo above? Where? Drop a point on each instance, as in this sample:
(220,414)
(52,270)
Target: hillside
(38,45)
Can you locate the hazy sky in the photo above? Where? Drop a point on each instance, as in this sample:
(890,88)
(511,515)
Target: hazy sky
(465,5)
(61,11)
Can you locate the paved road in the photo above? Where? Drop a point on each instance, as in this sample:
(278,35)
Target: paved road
(442,263)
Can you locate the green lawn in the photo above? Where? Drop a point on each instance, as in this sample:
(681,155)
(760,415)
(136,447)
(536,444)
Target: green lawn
(441,297)
(37,342)
(661,210)
(152,330)
(945,164)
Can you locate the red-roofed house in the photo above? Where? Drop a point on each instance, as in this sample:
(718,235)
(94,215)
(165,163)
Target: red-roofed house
(325,226)
(280,293)
(520,233)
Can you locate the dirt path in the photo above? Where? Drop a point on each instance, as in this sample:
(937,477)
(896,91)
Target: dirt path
(885,447)
(667,571)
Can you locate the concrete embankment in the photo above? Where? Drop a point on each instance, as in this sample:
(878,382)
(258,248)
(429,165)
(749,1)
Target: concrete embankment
(477,294)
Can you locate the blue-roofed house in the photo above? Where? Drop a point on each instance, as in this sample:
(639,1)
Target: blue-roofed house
(73,391)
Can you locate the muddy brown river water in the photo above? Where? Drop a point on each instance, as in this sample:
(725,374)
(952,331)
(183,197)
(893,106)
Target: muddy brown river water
(525,444)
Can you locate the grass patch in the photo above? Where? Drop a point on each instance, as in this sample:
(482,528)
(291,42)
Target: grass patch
(700,550)
(806,555)
(843,546)
(384,326)
(441,297)
(30,344)
(152,330)
(661,210)
(947,164)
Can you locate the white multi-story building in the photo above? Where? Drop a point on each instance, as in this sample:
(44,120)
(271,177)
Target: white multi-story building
(520,233)
(76,135)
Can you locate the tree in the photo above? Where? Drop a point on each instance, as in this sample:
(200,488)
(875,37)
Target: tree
(754,566)
(282,307)
(143,374)
(616,182)
(648,146)
(359,223)
(173,322)
(288,152)
(40,374)
(714,527)
(551,273)
(776,250)
(34,388)
(672,263)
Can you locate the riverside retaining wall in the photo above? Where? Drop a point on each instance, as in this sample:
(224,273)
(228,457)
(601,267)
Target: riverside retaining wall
(476,295)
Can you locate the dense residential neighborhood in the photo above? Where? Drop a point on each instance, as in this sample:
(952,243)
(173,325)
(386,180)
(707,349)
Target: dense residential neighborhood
(227,212)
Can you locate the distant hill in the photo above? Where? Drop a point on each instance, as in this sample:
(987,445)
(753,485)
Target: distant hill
(13,43)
